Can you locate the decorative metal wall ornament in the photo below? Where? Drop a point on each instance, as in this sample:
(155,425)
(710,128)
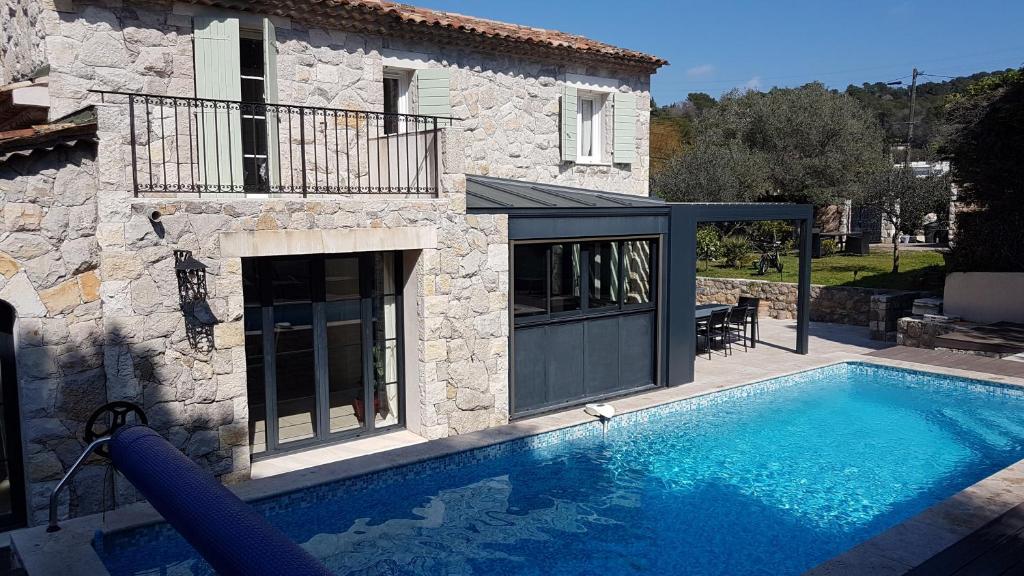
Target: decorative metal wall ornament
(192,295)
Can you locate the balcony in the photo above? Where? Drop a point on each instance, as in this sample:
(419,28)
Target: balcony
(197,147)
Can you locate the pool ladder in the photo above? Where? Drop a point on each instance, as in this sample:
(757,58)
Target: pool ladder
(96,444)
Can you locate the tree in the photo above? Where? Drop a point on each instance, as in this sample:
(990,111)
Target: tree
(701,101)
(709,172)
(806,144)
(984,143)
(905,200)
(709,242)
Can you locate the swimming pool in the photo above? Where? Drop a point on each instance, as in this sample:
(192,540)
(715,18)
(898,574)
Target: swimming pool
(770,478)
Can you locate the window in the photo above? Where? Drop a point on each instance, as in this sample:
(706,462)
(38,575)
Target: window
(637,271)
(254,119)
(548,278)
(565,278)
(530,289)
(604,274)
(588,118)
(396,100)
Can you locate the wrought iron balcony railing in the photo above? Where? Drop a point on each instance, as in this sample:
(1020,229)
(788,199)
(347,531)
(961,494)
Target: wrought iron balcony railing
(196,146)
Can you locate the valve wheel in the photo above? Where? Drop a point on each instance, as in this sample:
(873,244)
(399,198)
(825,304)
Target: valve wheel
(117,416)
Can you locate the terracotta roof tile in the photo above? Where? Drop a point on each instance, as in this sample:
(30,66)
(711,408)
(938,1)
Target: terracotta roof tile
(380,16)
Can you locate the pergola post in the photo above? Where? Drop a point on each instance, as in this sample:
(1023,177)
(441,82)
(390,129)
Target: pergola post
(803,287)
(682,293)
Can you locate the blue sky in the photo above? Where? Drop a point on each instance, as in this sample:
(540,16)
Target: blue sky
(714,46)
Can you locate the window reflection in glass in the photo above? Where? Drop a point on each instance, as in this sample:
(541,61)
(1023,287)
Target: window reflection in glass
(385,345)
(254,379)
(293,349)
(530,285)
(604,274)
(636,256)
(344,343)
(565,277)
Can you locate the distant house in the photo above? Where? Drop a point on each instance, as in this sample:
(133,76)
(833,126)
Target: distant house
(878,230)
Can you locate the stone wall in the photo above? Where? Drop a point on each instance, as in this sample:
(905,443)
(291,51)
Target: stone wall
(21,38)
(917,332)
(197,398)
(887,308)
(507,107)
(838,304)
(49,260)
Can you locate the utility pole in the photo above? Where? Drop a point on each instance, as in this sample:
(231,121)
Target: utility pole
(910,124)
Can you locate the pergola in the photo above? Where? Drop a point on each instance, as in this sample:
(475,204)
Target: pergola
(682,277)
(561,357)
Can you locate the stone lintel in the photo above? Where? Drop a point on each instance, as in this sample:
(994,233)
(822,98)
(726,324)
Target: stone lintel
(251,243)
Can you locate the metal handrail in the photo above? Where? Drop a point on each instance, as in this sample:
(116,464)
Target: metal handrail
(200,146)
(54,524)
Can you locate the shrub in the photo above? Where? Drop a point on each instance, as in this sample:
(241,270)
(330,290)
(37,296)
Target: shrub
(709,244)
(735,251)
(829,247)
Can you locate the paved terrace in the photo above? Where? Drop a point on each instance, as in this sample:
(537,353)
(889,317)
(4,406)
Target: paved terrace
(977,510)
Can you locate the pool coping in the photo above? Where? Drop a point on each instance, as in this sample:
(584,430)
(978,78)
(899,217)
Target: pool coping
(69,552)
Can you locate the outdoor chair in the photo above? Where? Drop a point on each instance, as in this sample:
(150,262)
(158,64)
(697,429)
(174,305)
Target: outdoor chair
(718,331)
(737,325)
(752,304)
(703,334)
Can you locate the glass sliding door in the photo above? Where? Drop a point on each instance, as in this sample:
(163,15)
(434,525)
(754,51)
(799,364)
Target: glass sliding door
(294,349)
(346,397)
(322,348)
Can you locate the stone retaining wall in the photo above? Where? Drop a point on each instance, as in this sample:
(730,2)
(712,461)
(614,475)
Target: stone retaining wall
(876,308)
(916,332)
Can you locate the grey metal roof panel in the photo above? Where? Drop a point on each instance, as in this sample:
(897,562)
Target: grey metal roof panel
(488,193)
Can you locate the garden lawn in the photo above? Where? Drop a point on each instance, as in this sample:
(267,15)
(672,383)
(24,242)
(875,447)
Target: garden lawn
(919,270)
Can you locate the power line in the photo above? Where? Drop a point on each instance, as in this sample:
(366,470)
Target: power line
(715,83)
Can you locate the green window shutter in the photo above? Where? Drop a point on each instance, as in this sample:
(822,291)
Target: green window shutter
(433,92)
(568,128)
(625,128)
(270,95)
(218,76)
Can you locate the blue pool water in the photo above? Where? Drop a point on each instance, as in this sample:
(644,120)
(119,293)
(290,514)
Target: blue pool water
(771,478)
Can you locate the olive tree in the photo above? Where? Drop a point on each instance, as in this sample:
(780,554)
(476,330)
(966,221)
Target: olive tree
(806,144)
(904,200)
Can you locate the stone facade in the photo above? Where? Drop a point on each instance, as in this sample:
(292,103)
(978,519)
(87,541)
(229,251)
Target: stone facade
(49,273)
(92,278)
(506,107)
(838,304)
(21,38)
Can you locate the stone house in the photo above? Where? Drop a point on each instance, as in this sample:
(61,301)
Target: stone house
(280,225)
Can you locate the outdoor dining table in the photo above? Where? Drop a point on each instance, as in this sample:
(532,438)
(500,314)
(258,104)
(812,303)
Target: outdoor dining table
(705,310)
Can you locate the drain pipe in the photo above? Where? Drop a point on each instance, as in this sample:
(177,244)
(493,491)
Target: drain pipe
(55,495)
(604,412)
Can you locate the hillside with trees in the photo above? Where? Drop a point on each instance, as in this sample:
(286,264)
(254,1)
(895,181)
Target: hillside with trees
(891,105)
(672,125)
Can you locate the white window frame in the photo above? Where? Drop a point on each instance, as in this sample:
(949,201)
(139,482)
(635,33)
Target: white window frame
(404,78)
(598,144)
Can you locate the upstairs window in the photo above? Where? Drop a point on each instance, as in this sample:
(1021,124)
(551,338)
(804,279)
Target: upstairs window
(588,118)
(396,100)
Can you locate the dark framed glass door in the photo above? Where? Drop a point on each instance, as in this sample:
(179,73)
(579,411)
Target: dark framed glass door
(322,348)
(12,487)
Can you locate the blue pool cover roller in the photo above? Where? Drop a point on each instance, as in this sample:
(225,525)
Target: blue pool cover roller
(228,533)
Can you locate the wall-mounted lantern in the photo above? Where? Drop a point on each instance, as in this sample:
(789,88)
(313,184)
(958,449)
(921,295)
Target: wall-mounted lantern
(192,294)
